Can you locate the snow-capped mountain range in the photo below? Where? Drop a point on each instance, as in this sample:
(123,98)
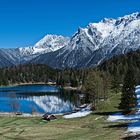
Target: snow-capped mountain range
(88,47)
(49,43)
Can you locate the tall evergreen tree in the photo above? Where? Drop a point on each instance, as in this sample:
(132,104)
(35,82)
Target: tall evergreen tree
(128,99)
(116,82)
(94,88)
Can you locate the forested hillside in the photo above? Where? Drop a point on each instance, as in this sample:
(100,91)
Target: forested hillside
(41,73)
(113,69)
(111,75)
(118,66)
(26,74)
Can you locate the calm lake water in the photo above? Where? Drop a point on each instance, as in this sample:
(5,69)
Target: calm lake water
(37,98)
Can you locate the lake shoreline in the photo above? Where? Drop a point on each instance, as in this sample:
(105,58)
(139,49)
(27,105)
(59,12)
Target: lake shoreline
(81,109)
(72,88)
(42,83)
(30,83)
(26,115)
(36,99)
(13,114)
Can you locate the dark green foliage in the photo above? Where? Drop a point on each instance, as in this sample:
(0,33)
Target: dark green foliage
(96,87)
(71,77)
(128,99)
(26,74)
(115,71)
(119,65)
(95,82)
(41,73)
(116,83)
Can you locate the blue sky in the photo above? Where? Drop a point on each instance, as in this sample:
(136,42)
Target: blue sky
(24,22)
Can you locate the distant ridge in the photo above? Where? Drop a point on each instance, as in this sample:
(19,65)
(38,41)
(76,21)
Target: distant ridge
(88,47)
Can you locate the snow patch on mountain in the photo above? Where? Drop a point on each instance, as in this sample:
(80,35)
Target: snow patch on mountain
(105,28)
(49,43)
(88,47)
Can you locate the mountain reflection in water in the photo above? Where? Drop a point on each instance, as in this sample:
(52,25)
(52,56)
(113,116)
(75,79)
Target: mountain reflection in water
(37,98)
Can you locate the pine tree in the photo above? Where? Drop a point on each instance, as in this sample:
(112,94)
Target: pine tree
(116,81)
(128,99)
(93,88)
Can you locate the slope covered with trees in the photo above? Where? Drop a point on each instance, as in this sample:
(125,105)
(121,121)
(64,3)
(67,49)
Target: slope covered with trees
(41,73)
(118,74)
(95,82)
(118,66)
(26,74)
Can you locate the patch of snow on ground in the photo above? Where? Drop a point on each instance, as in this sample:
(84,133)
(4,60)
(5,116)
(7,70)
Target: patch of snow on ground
(115,117)
(120,117)
(82,113)
(135,125)
(77,114)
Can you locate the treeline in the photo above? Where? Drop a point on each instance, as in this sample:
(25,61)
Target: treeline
(26,74)
(41,73)
(71,77)
(96,86)
(118,66)
(95,82)
(112,75)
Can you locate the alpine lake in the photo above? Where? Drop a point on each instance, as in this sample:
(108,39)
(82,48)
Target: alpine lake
(38,98)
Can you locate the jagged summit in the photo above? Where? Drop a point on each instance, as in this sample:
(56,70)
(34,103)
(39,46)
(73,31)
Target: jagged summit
(53,42)
(49,43)
(89,46)
(97,42)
